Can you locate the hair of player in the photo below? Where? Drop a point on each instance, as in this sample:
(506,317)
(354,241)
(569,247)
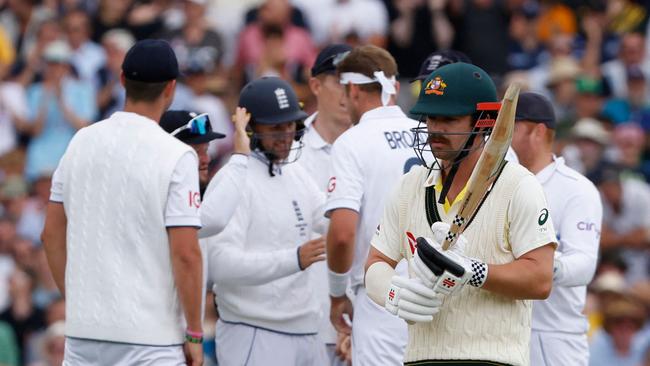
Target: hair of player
(139,91)
(366,60)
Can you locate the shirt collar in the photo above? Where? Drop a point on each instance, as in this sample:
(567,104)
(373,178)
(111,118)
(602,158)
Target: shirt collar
(130,116)
(384,112)
(545,174)
(312,138)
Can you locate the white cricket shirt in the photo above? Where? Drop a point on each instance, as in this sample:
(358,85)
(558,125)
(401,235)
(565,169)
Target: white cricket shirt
(367,163)
(576,212)
(254,261)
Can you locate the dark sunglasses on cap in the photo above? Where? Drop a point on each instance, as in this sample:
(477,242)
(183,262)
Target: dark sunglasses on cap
(197,125)
(332,61)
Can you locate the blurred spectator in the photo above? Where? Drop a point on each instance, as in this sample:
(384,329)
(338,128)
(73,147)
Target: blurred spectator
(417,27)
(28,211)
(525,48)
(10,353)
(555,18)
(7,264)
(562,89)
(598,42)
(111,95)
(193,95)
(631,54)
(21,20)
(13,112)
(59,106)
(30,68)
(588,143)
(620,342)
(636,106)
(591,97)
(556,56)
(629,143)
(481,28)
(143,19)
(87,56)
(272,45)
(24,318)
(194,40)
(626,218)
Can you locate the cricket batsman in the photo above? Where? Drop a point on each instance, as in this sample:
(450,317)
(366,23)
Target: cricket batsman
(471,304)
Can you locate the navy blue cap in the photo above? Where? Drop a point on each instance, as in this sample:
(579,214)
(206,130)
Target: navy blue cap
(172,120)
(150,61)
(533,107)
(271,100)
(438,59)
(329,58)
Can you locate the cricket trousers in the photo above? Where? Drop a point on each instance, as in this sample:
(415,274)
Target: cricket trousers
(245,345)
(555,348)
(86,352)
(378,337)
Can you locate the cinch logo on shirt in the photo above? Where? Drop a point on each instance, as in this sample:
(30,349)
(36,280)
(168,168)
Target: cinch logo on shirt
(399,139)
(194,199)
(301,225)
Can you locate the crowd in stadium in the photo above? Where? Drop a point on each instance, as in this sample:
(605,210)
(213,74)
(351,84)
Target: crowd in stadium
(60,62)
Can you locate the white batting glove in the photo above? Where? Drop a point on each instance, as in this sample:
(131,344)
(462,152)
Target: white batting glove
(440,230)
(411,300)
(446,271)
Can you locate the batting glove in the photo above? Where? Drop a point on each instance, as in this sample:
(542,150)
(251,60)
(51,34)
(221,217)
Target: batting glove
(440,230)
(411,300)
(446,271)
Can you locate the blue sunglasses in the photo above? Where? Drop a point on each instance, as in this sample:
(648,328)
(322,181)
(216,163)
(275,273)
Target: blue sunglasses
(197,125)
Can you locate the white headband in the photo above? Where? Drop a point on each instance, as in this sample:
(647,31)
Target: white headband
(387,84)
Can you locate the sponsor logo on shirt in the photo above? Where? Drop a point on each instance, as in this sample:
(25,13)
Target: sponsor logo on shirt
(331,185)
(194,199)
(399,139)
(301,225)
(543,216)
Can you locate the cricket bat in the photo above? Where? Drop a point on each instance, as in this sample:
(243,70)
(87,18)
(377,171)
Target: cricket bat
(487,167)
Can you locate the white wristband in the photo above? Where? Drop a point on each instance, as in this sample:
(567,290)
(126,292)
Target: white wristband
(338,282)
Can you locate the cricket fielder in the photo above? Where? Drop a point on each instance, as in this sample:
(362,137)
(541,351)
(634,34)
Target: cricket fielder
(367,162)
(121,229)
(559,334)
(505,253)
(269,313)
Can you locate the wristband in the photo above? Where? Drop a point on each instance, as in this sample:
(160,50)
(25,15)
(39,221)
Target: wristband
(193,337)
(480,270)
(338,283)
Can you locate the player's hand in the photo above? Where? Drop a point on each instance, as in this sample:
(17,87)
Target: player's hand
(343,348)
(446,271)
(193,353)
(340,307)
(440,230)
(311,252)
(241,140)
(411,300)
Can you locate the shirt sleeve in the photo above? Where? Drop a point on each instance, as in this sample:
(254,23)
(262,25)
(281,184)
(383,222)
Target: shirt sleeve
(230,262)
(56,189)
(387,238)
(346,184)
(579,237)
(184,198)
(529,221)
(223,196)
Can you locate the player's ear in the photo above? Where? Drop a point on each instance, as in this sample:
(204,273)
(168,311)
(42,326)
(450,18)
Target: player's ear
(397,86)
(314,85)
(122,79)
